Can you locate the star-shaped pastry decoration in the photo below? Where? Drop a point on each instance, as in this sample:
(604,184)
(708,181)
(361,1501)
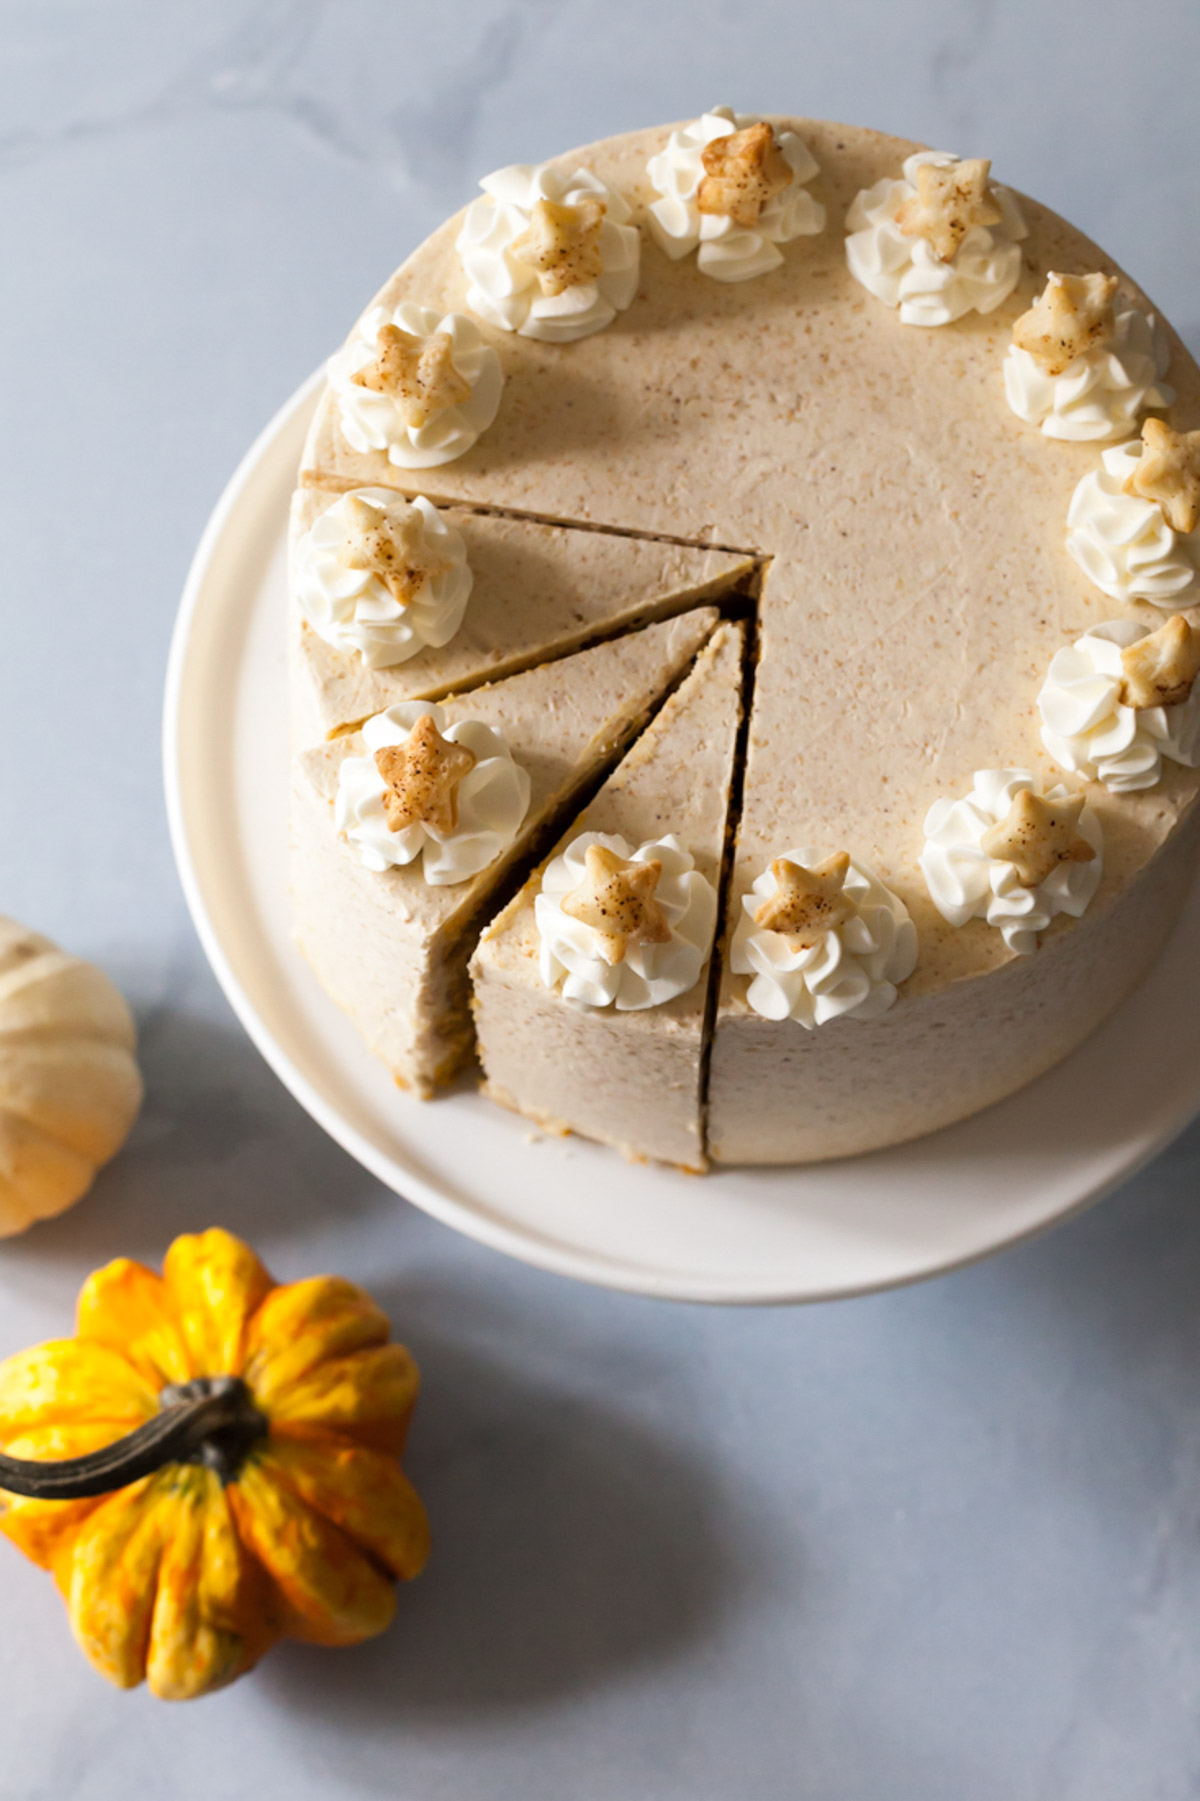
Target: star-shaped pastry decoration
(947,203)
(616,898)
(562,243)
(807,903)
(1160,670)
(742,172)
(421,777)
(394,550)
(1073,314)
(1168,471)
(418,372)
(1036,835)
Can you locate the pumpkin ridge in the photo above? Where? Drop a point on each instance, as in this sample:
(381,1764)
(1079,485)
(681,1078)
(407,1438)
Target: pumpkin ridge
(278,1473)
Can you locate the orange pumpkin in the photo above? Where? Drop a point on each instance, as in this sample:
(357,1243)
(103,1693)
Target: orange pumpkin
(278,1416)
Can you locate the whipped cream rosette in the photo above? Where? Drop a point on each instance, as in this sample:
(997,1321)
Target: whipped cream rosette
(647,974)
(1123,543)
(378,419)
(350,603)
(508,289)
(1102,392)
(965,882)
(726,250)
(904,271)
(1088,729)
(851,970)
(489,801)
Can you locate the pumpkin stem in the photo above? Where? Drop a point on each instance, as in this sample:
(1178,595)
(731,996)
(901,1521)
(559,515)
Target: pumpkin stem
(211,1421)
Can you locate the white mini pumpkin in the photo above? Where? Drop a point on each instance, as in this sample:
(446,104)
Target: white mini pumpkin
(69,1082)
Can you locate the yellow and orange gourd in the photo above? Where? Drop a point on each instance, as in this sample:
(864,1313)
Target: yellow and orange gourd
(293,1519)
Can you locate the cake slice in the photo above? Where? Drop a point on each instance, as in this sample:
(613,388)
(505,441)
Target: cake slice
(539,591)
(390,948)
(633,1077)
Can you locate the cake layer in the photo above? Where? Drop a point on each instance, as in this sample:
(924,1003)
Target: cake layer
(392,950)
(633,1078)
(539,591)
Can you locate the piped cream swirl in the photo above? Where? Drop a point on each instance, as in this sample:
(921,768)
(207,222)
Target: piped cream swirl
(1087,729)
(648,974)
(965,883)
(852,970)
(727,251)
(505,291)
(1122,542)
(371,420)
(492,799)
(904,271)
(1100,394)
(355,611)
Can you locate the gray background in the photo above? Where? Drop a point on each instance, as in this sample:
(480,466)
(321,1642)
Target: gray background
(934,1546)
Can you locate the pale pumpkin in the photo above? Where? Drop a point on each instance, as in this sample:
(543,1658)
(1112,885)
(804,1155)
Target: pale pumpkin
(282,1508)
(69,1083)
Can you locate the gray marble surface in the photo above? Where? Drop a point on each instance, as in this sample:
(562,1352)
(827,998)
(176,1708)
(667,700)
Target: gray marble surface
(941,1545)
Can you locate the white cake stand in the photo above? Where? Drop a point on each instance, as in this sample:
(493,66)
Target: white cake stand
(796,1234)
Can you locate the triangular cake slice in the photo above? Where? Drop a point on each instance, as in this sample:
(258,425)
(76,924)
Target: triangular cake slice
(539,591)
(634,1078)
(390,949)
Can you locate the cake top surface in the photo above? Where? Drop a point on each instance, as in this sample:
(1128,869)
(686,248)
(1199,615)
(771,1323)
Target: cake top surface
(918,583)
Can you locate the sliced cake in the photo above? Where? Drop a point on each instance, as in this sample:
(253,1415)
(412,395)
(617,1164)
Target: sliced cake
(402,833)
(591,988)
(476,597)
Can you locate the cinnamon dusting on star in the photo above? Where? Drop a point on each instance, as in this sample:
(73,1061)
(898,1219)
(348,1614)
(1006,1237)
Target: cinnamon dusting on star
(616,898)
(949,201)
(1160,670)
(807,903)
(418,372)
(743,171)
(1072,315)
(394,550)
(562,243)
(421,778)
(1168,471)
(1036,835)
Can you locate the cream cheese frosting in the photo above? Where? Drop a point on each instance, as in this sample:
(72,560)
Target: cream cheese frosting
(904,271)
(354,610)
(965,883)
(1123,543)
(1088,730)
(648,974)
(1101,393)
(853,969)
(727,251)
(371,420)
(492,800)
(505,292)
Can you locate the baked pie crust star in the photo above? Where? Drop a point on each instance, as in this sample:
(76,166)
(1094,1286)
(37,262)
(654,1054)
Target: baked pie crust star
(418,372)
(1161,669)
(949,200)
(1036,835)
(393,550)
(421,777)
(742,172)
(562,243)
(616,898)
(1073,314)
(1168,471)
(807,902)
